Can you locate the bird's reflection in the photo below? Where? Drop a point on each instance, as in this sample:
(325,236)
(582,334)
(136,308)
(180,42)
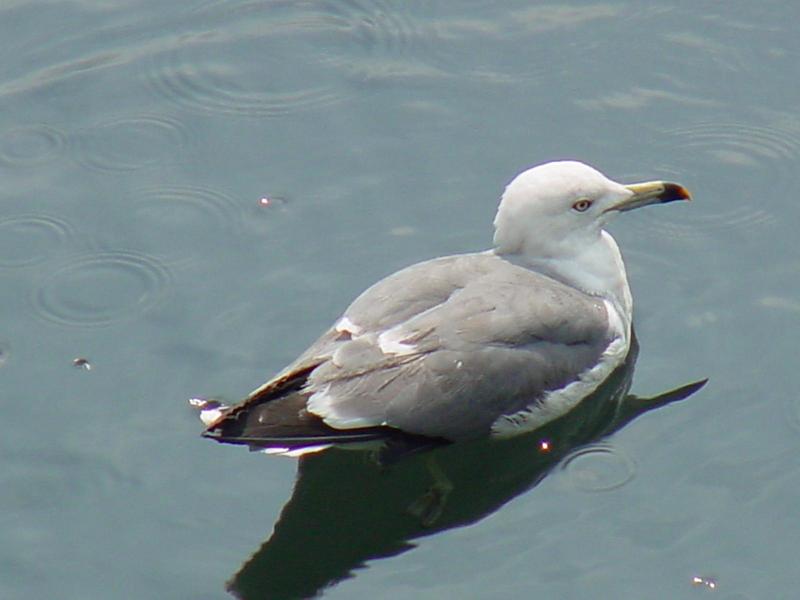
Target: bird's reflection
(346,509)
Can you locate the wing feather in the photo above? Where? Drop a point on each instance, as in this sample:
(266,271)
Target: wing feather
(441,349)
(498,340)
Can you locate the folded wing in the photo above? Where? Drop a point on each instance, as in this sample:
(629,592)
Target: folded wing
(441,349)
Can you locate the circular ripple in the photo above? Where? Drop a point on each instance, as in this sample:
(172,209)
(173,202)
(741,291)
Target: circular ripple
(598,468)
(387,30)
(739,145)
(751,158)
(30,239)
(701,226)
(175,223)
(130,143)
(418,40)
(100,289)
(261,59)
(30,146)
(5,352)
(414,41)
(313,54)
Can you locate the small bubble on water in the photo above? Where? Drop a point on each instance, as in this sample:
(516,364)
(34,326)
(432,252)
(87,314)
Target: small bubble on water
(82,363)
(271,201)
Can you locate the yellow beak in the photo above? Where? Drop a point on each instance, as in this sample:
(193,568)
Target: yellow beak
(652,192)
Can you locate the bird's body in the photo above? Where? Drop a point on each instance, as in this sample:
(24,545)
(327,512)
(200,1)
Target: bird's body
(461,347)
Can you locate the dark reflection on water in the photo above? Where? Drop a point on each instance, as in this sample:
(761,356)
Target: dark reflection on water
(346,509)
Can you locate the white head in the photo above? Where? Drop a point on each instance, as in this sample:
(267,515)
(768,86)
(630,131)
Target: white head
(552,216)
(557,208)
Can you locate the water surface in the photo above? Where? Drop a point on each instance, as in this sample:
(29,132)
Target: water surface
(138,141)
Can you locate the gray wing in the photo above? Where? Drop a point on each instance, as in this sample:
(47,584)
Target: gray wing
(446,347)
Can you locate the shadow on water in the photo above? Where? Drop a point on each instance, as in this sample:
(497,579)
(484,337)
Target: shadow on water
(346,509)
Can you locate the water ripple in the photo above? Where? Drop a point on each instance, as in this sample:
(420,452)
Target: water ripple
(262,58)
(739,145)
(30,239)
(419,40)
(175,223)
(5,352)
(741,217)
(598,468)
(30,145)
(404,43)
(215,69)
(100,289)
(130,143)
(758,160)
(385,30)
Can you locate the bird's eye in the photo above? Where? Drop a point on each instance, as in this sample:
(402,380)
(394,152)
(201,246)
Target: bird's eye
(582,205)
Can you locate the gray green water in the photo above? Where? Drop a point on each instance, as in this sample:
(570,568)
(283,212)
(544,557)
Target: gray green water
(137,140)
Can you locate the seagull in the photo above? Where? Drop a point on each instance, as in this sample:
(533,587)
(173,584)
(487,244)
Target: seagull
(488,344)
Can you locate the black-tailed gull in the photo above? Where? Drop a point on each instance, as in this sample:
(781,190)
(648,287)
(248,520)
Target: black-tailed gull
(495,343)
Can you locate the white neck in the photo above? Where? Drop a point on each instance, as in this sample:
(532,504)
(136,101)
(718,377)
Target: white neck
(595,268)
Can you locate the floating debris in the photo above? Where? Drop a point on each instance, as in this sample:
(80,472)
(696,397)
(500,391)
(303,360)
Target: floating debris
(210,410)
(707,582)
(82,363)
